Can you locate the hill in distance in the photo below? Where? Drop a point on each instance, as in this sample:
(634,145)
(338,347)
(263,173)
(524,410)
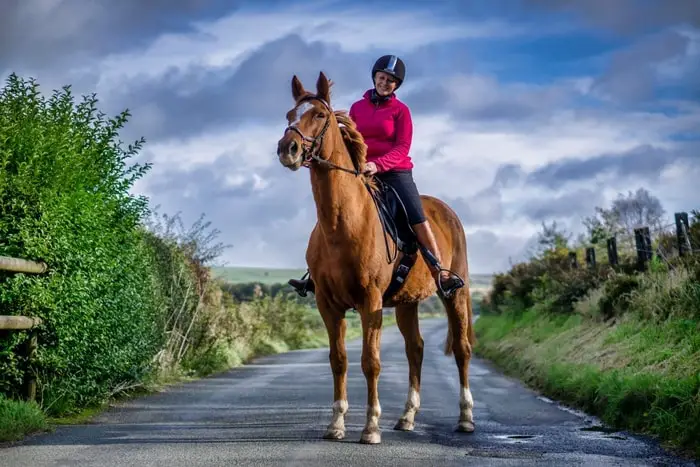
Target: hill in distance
(239,275)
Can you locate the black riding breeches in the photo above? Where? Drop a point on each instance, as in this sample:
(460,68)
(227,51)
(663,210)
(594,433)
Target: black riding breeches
(402,182)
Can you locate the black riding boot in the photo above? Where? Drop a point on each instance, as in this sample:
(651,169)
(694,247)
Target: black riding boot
(303,285)
(448,286)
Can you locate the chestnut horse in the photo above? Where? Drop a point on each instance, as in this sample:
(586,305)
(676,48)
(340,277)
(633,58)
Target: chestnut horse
(347,260)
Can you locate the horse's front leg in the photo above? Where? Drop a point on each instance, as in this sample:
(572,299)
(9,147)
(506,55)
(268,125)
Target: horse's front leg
(335,326)
(407,321)
(371,314)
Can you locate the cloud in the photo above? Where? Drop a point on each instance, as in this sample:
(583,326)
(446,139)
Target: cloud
(644,161)
(627,16)
(44,33)
(258,89)
(483,98)
(521,114)
(637,71)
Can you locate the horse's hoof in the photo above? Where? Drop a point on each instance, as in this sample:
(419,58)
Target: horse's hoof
(334,434)
(404,425)
(465,427)
(373,437)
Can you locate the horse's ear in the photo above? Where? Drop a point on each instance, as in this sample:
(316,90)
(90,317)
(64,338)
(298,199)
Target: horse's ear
(297,88)
(323,88)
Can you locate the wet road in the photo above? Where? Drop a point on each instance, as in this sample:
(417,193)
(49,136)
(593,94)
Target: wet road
(274,412)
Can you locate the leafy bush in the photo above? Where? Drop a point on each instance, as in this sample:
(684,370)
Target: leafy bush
(617,294)
(64,199)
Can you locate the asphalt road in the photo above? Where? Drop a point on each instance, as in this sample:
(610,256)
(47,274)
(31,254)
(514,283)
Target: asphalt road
(274,412)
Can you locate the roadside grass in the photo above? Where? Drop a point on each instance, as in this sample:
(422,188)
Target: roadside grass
(634,374)
(18,418)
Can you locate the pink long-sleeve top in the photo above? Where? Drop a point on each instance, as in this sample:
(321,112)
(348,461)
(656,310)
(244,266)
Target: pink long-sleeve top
(387,128)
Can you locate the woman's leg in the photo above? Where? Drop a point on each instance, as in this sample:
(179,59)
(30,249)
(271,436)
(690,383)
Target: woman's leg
(403,183)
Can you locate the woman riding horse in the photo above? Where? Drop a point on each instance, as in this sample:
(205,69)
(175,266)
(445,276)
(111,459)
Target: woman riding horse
(387,128)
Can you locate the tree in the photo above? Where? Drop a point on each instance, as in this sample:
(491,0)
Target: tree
(626,213)
(550,238)
(638,209)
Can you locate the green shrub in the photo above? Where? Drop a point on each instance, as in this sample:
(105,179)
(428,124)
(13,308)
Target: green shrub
(64,199)
(617,294)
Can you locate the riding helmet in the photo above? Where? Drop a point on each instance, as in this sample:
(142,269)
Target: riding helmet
(392,65)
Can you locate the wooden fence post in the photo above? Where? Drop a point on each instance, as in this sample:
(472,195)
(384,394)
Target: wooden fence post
(24,323)
(612,251)
(682,229)
(642,239)
(590,257)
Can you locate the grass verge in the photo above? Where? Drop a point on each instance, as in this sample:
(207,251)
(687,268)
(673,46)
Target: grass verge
(18,418)
(635,375)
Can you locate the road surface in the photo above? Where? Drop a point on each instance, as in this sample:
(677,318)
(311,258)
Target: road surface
(274,412)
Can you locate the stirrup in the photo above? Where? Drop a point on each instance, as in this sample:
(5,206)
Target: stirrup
(455,282)
(300,285)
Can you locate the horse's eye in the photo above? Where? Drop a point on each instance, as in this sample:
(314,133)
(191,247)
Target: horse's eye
(320,115)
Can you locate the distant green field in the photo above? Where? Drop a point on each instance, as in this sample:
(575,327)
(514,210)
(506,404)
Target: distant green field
(238,275)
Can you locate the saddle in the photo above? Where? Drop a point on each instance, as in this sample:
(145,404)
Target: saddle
(394,220)
(395,223)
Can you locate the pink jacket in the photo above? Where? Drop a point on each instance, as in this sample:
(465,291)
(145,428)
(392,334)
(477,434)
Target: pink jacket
(387,129)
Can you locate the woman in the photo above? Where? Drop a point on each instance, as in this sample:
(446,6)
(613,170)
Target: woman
(386,126)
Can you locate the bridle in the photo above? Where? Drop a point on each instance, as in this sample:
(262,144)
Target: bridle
(310,153)
(311,146)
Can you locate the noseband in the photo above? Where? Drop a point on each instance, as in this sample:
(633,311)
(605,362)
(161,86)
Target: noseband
(311,146)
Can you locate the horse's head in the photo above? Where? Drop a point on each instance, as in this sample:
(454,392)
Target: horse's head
(307,124)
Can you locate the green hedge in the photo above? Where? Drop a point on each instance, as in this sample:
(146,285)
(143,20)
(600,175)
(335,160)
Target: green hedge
(64,199)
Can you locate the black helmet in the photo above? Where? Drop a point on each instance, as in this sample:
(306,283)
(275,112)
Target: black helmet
(392,65)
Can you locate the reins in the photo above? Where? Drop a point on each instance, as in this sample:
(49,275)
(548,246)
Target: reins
(311,153)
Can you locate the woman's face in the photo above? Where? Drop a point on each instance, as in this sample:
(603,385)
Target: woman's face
(384,83)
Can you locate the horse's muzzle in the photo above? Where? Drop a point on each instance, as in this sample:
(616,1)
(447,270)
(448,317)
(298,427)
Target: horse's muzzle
(290,152)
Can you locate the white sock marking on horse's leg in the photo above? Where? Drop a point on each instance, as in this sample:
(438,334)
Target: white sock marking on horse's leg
(336,428)
(340,408)
(412,405)
(373,414)
(466,406)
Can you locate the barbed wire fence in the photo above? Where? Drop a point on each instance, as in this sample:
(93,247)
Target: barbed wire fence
(672,240)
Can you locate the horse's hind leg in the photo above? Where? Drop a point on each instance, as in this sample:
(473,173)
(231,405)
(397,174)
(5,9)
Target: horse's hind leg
(459,315)
(335,326)
(407,321)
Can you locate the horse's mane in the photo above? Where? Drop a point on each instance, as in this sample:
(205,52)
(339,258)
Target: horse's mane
(354,142)
(353,139)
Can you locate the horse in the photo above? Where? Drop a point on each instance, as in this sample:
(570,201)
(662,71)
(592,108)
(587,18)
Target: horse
(345,259)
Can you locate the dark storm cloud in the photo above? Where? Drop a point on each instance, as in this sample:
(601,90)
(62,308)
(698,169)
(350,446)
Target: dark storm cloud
(258,91)
(40,34)
(643,161)
(632,73)
(628,16)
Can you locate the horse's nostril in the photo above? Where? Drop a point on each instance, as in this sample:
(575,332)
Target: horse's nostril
(293,147)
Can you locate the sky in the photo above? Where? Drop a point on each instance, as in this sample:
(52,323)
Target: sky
(524,111)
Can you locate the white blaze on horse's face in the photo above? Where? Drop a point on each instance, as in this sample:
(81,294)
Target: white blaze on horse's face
(290,149)
(300,111)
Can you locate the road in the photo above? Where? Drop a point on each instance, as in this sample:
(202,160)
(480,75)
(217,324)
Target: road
(274,412)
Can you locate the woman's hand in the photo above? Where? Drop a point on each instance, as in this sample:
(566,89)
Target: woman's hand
(370,168)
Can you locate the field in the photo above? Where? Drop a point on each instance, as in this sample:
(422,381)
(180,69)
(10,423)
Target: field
(240,275)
